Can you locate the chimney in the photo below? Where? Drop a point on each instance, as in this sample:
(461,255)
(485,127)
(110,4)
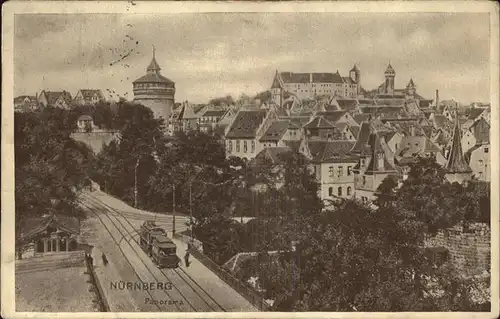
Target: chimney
(437,97)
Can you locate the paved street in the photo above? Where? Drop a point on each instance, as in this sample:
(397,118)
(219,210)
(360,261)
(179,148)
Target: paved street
(194,288)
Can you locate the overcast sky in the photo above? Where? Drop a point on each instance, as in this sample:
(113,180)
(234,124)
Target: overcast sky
(211,55)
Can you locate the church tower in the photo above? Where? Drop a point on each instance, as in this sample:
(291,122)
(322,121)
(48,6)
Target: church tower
(155,91)
(277,90)
(390,74)
(457,168)
(411,89)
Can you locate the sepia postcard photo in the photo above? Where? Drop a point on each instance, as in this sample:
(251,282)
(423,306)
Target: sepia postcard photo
(250,160)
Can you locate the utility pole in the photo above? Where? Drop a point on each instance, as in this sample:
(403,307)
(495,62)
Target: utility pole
(135,183)
(191,209)
(173,213)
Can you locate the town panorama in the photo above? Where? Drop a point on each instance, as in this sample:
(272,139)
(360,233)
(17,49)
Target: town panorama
(225,173)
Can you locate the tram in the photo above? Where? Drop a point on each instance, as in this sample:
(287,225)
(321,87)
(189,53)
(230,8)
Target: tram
(161,249)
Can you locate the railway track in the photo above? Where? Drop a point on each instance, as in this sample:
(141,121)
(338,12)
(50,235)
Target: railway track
(181,281)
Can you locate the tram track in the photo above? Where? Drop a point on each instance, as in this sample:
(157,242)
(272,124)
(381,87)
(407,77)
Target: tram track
(179,280)
(93,210)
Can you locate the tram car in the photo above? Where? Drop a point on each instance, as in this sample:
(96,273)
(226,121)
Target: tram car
(164,252)
(161,249)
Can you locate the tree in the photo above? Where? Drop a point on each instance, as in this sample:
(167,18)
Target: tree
(50,167)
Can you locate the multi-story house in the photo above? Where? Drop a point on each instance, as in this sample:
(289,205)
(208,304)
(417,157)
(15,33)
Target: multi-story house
(376,162)
(25,103)
(89,97)
(244,133)
(210,119)
(333,164)
(422,146)
(56,99)
(478,159)
(309,85)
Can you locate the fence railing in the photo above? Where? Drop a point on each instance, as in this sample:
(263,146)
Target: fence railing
(243,289)
(103,304)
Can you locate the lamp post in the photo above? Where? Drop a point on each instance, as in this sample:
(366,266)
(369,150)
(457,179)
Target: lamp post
(173,212)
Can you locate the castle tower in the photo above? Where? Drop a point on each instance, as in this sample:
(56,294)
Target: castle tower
(276,90)
(355,75)
(411,88)
(390,74)
(155,91)
(457,168)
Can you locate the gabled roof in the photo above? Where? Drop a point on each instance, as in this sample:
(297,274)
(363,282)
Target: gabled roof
(36,225)
(275,132)
(442,122)
(290,77)
(481,130)
(246,123)
(294,145)
(360,118)
(270,155)
(213,113)
(474,113)
(332,116)
(53,96)
(456,162)
(319,122)
(376,149)
(355,130)
(89,93)
(338,152)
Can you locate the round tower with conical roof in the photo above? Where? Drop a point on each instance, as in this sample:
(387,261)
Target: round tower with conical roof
(390,75)
(155,91)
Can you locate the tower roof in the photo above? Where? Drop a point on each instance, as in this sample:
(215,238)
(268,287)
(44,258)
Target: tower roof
(355,68)
(456,161)
(389,69)
(411,84)
(153,66)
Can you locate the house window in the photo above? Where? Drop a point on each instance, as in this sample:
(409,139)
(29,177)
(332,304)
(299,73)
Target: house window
(340,171)
(364,180)
(481,162)
(349,170)
(230,145)
(330,191)
(253,146)
(330,171)
(339,191)
(348,190)
(486,150)
(362,162)
(237,145)
(245,147)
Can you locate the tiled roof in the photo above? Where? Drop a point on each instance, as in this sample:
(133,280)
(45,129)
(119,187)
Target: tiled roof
(332,116)
(481,130)
(294,145)
(474,113)
(341,126)
(360,118)
(299,121)
(348,80)
(355,130)
(347,105)
(53,96)
(154,78)
(338,152)
(366,102)
(362,138)
(456,162)
(89,93)
(34,226)
(275,132)
(246,123)
(319,122)
(441,121)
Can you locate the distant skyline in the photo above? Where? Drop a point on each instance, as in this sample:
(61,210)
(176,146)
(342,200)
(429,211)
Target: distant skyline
(215,54)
